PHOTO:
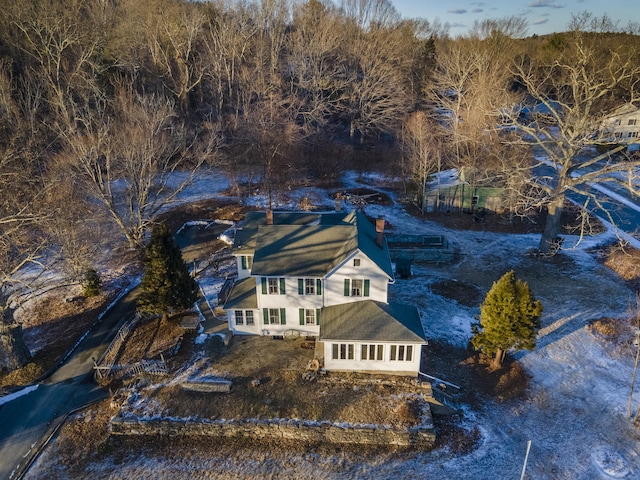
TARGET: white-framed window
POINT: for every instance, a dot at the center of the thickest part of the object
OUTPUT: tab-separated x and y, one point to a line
371	352
356	287
309	286
273	286
246	262
342	351
356	262
401	353
274	316
309	316
633	121
243	317
633	134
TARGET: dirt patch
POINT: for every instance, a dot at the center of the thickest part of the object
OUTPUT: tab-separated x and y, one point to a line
249	356
624	260
459	440
464	293
619	334
151	338
470	371
202	210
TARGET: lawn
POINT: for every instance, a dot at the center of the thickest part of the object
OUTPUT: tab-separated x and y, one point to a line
268	383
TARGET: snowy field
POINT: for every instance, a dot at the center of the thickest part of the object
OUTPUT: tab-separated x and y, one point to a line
574	413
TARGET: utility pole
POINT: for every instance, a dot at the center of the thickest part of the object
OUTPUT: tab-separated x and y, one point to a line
526	457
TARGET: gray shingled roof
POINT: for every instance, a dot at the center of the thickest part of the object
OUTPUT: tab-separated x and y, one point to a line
295	250
245	239
367	243
242	295
253	220
311	244
371	321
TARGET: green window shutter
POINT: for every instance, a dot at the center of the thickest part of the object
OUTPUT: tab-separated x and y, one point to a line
265	314
300	286
346	287
283	316
244	262
264	285
282	292
318	316
301	316
319	286
366	288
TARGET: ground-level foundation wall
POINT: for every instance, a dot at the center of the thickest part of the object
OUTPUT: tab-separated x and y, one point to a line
285	429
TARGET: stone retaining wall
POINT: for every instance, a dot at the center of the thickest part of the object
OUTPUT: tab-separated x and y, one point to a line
422	437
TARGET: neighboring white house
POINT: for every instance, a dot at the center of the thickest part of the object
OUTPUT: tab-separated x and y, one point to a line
324	275
623	127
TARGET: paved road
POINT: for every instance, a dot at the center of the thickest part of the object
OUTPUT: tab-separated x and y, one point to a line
26	421
622	205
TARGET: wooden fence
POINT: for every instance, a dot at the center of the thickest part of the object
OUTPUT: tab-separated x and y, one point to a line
144	367
104	366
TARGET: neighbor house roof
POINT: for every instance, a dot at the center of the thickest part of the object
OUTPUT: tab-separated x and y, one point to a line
309	244
372	321
624	110
242	295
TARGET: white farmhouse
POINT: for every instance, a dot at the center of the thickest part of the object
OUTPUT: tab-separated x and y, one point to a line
623	127
324	275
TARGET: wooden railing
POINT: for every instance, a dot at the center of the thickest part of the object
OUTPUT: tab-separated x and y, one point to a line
104	366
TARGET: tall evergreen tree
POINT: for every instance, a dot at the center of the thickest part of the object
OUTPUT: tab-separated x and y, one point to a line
509	319
166	284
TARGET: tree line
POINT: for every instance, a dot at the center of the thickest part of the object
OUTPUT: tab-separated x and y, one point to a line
109	108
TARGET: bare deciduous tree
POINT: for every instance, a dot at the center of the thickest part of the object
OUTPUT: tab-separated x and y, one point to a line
21	241
470	87
59	41
75	225
139	162
230	35
575	92
374	90
314	74
423	152
175	44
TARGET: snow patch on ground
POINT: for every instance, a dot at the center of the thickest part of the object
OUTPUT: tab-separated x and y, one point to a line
575	412
18	394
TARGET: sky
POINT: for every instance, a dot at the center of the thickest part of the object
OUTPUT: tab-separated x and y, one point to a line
543	16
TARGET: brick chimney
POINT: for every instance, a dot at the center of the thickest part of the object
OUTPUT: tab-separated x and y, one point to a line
269	217
380	231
